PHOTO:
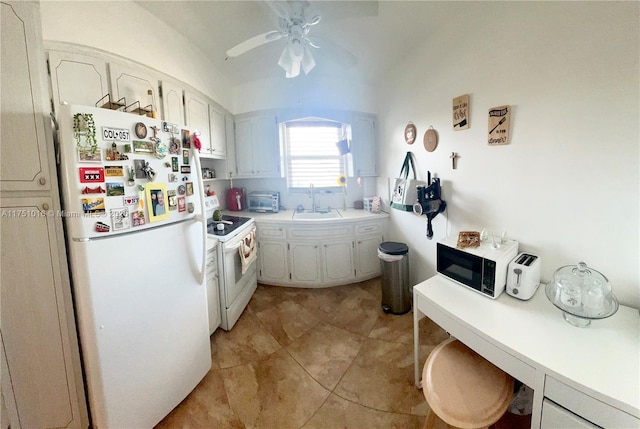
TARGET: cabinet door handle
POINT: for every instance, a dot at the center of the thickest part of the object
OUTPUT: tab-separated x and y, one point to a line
45	207
42	181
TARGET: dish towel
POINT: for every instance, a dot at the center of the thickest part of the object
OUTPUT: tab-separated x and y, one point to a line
248	250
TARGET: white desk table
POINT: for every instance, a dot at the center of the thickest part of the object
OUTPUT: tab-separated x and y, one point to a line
594	372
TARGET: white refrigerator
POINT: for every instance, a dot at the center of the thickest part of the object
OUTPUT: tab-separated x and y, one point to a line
136	238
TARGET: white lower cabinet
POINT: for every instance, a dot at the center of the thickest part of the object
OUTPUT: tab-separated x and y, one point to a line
213	290
338	262
368	263
273	261
305	263
318	255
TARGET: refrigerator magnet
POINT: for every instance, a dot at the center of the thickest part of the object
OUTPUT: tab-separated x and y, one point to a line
91	174
115	189
173	177
141	130
143	147
185	157
96	190
186	139
172	199
137	218
154	138
189	186
190	207
174	164
102	227
120	219
131	200
182	204
157	206
93	206
182	189
174	145
185	169
89	155
114	170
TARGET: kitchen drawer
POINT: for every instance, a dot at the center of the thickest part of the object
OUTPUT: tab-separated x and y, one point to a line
369	228
588	407
329	231
556	417
271	231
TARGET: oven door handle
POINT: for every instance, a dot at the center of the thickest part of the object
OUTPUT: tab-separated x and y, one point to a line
232	249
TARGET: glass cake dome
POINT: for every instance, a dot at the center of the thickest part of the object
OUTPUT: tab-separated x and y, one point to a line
582	293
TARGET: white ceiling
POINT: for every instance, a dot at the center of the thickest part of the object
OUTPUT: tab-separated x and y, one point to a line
378	34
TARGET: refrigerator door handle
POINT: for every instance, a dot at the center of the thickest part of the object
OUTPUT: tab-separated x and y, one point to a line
202	217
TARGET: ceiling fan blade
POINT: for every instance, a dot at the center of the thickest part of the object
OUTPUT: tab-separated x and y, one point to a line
252	43
280	8
330	49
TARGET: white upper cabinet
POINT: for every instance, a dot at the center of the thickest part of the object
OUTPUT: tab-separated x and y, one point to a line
257	146
218	147
172	103
197	114
138	86
25	120
77	79
364	145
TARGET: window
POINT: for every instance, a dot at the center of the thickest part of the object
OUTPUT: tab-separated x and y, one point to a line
311	153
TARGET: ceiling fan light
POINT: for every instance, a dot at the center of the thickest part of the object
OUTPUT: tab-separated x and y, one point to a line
285	60
296	50
308	63
295	70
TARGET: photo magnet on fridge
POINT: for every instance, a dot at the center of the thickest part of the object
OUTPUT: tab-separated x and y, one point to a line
156	201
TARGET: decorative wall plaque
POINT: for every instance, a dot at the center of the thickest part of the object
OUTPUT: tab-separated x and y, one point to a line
461	112
499	119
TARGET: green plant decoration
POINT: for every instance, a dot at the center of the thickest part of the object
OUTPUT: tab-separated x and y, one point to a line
83	125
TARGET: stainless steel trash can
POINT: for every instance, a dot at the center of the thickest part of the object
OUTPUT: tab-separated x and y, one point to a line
394	264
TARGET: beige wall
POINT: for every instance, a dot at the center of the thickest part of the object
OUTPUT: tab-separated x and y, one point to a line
567	187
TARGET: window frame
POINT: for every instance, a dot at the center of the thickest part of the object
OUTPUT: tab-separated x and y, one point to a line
344	132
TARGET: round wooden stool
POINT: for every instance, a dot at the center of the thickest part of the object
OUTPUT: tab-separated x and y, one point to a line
463	389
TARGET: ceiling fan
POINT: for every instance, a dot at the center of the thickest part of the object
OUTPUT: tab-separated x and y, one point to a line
295	19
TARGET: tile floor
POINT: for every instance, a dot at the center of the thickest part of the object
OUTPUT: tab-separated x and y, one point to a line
311	358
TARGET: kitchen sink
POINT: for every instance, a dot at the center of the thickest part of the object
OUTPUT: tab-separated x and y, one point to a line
326	214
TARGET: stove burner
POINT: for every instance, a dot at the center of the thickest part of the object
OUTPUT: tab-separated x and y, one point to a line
228	229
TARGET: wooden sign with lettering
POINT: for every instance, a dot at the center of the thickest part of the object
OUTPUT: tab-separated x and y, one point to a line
461	112
499	118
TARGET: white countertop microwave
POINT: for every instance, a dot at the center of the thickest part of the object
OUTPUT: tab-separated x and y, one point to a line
483	268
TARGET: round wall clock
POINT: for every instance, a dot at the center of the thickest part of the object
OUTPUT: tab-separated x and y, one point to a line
141	130
430	140
410	133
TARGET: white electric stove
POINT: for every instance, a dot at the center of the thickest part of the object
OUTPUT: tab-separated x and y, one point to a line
236	286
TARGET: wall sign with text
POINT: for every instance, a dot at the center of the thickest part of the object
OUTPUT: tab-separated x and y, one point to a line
461	112
499	119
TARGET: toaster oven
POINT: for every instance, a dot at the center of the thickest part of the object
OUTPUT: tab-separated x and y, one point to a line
264	202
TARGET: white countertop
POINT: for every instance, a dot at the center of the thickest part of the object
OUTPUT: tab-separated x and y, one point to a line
285	216
602	360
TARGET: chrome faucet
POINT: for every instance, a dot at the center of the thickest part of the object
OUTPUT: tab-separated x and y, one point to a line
312	194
